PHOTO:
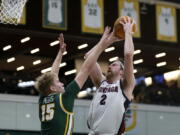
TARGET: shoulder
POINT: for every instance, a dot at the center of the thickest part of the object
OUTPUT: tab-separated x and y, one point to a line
127	95
72	85
103	82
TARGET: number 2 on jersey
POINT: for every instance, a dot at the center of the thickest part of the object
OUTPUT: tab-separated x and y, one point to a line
103	98
47	112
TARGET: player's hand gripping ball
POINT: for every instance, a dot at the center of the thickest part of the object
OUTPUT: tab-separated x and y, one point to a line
118	27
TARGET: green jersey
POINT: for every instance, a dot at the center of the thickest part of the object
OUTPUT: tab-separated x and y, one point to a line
55	111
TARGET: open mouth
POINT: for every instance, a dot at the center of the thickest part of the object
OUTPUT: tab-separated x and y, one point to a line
109	71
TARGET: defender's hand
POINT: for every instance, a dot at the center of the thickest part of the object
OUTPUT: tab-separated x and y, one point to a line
62	45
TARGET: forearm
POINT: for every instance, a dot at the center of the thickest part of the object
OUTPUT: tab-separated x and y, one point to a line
128	63
129	46
93	56
56	63
96	75
88	64
128	55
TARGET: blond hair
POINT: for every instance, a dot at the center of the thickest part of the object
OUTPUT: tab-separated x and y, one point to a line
44	82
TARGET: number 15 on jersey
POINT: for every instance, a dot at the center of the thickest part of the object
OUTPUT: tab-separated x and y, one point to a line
47	112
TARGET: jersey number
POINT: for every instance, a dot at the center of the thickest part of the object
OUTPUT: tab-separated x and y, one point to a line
103	98
92	12
47	112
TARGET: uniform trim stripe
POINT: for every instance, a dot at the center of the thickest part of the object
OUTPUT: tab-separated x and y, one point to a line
121	86
70	125
67	124
62	106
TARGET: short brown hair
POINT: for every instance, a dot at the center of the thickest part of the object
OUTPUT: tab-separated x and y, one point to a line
43	82
121	63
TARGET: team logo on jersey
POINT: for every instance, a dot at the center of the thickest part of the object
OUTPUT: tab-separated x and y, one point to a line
107	90
48	99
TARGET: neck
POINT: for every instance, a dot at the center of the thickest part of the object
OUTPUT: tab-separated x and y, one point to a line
113	79
48	92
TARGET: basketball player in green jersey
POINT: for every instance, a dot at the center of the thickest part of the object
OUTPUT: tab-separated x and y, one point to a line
56	102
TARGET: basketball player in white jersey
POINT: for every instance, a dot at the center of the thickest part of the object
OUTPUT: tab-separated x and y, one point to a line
114	93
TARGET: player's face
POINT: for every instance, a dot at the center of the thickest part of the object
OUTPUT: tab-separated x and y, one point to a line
58	86
114	69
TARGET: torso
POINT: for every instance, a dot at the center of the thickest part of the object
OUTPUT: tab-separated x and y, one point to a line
52	116
107	109
55	111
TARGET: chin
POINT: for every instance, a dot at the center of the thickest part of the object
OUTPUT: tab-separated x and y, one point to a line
109	74
62	90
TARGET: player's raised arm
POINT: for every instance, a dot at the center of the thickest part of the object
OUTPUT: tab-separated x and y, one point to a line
96	74
57	61
129	79
106	40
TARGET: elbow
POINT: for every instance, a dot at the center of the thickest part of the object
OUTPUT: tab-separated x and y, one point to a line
86	69
86	55
134	82
129	54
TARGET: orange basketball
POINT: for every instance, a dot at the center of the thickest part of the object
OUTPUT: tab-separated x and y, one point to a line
118	27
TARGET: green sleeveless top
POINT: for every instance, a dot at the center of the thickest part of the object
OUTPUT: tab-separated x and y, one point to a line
55	111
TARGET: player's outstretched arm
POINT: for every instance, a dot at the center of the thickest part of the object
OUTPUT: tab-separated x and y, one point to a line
129	79
91	59
96	74
57	61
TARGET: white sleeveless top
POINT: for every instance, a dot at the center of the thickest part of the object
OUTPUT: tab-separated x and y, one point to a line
107	109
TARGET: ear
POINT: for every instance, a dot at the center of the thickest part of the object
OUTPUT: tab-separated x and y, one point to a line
52	88
122	73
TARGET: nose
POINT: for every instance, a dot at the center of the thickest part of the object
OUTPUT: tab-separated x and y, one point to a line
109	69
62	84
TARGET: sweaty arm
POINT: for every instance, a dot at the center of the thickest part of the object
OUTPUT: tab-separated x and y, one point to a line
57	61
88	64
91	60
96	74
129	79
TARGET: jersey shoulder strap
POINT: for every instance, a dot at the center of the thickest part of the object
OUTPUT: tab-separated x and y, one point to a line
127	101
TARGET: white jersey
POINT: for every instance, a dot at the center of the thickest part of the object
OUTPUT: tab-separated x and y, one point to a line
107	109
55	11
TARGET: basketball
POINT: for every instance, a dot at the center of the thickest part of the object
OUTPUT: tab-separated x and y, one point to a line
118	27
